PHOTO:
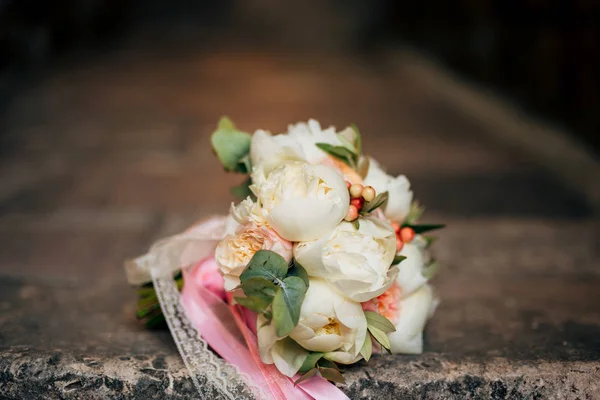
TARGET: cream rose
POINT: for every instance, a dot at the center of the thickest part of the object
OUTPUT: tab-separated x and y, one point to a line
330	323
355	262
413	313
400	195
235	251
302	201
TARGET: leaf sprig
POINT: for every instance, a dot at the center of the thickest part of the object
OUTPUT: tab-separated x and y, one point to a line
273	289
378	326
316	363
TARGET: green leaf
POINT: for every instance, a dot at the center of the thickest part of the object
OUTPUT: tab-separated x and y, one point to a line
256	304
339	152
363	166
266	264
429	241
431	269
367	348
356	224
377	202
231	146
380	337
309	374
299	271
424	227
416	211
332	375
357	139
398	259
287	303
347	144
326	363
243	190
310	362
260	287
379	321
225	123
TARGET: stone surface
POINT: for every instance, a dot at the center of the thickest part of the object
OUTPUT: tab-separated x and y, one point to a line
106	155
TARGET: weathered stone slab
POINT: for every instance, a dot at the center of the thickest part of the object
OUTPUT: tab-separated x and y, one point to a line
112	155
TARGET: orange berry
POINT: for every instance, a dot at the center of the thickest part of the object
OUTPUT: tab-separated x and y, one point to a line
407	234
352	213
396	227
368	193
399	244
356	190
358	203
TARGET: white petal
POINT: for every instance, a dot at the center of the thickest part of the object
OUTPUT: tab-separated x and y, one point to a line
310	256
343	357
288	356
304	219
410	275
414	311
400	198
266	338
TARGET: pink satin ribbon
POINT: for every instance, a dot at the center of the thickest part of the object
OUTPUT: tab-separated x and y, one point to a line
231	332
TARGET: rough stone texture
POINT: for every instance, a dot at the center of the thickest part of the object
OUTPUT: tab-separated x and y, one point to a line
107	155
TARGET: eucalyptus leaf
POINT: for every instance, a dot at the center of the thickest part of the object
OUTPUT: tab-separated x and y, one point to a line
332	375
309	374
299	271
231	145
356	224
378	321
259	287
310	362
266	264
380	337
287	303
256	304
424	227
367	348
398	259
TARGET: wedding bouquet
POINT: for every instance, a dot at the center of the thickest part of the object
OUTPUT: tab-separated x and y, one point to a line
323	263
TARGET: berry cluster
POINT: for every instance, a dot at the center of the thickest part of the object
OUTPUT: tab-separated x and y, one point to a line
403	235
358	195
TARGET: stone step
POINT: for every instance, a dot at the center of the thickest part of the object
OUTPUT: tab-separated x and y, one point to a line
104	157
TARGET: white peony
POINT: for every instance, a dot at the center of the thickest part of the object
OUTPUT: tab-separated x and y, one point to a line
286	354
307	135
302	201
410	271
355	262
235	251
400	195
330	323
414	311
270	151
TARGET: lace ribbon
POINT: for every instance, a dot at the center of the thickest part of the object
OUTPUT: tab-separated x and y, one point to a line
197	319
213	377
